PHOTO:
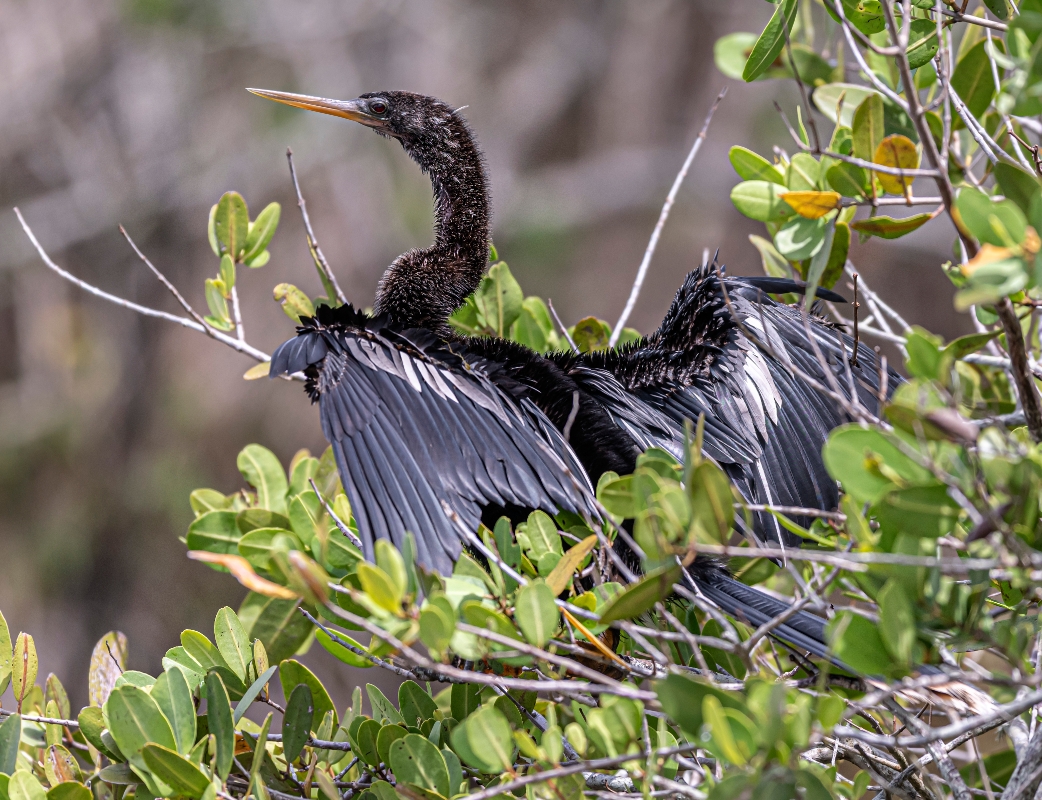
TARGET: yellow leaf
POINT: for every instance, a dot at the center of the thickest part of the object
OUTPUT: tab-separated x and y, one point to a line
562	573
240	568
257	371
899	152
812	205
987	254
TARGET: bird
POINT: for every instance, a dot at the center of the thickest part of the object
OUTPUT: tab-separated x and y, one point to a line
434	431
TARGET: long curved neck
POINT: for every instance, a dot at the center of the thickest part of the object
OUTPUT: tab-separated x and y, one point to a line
423	287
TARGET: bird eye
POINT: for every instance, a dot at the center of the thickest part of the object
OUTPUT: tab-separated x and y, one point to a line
378	106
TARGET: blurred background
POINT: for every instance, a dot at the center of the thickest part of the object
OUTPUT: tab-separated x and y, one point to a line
134	112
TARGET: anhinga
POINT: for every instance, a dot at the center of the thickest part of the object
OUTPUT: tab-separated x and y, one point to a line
430	428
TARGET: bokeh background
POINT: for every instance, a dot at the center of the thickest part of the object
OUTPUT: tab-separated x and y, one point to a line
133	112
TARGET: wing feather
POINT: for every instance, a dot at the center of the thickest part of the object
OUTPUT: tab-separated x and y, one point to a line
419	432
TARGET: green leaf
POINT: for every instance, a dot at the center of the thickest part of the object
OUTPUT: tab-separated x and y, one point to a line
389	734
889	228
24	786
712	511
261	230
857	642
415	704
297	722
1000	223
1000	8
533	327
10	738
536	613
465	700
391	562
487	742
751	166
232	642
174	698
498	298
837	259
263	472
135	719
682	699
818	263
6	654
211	233
854	456
382	706
774	263
769	46
897	621
294	302
305	514
340	652
922	42
925	511
803	173
226	272
848	179
292	672
69	790
253	692
642	595
366	737
92	723
24	667
215	532
250	519
201	650
380	587
761	200
277	623
107	661
867	127
970	343
839	101
865	15
220	723
1017	185
178	772
231	224
416	761
437	624
801	238
731	53
260	544
215	292
972	79
539	535
591	334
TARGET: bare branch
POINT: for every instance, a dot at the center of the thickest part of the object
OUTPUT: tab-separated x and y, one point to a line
325	272
191	324
663	216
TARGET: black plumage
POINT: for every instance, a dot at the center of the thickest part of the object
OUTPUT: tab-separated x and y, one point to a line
431	428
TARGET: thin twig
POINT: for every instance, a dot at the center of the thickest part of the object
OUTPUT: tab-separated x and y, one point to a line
235	344
564	330
663	216
316	252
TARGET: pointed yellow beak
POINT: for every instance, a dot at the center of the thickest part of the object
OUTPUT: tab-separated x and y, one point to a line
353	110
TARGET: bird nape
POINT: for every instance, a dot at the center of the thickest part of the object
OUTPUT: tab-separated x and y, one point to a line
432	429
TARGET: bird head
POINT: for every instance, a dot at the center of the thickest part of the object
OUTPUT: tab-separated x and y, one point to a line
406	116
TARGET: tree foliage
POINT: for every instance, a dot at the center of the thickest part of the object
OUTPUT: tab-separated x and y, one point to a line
527	670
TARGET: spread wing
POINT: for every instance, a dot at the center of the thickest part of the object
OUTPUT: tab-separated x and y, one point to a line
423	438
765	425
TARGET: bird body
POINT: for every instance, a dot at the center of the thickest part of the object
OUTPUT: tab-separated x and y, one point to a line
432	429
